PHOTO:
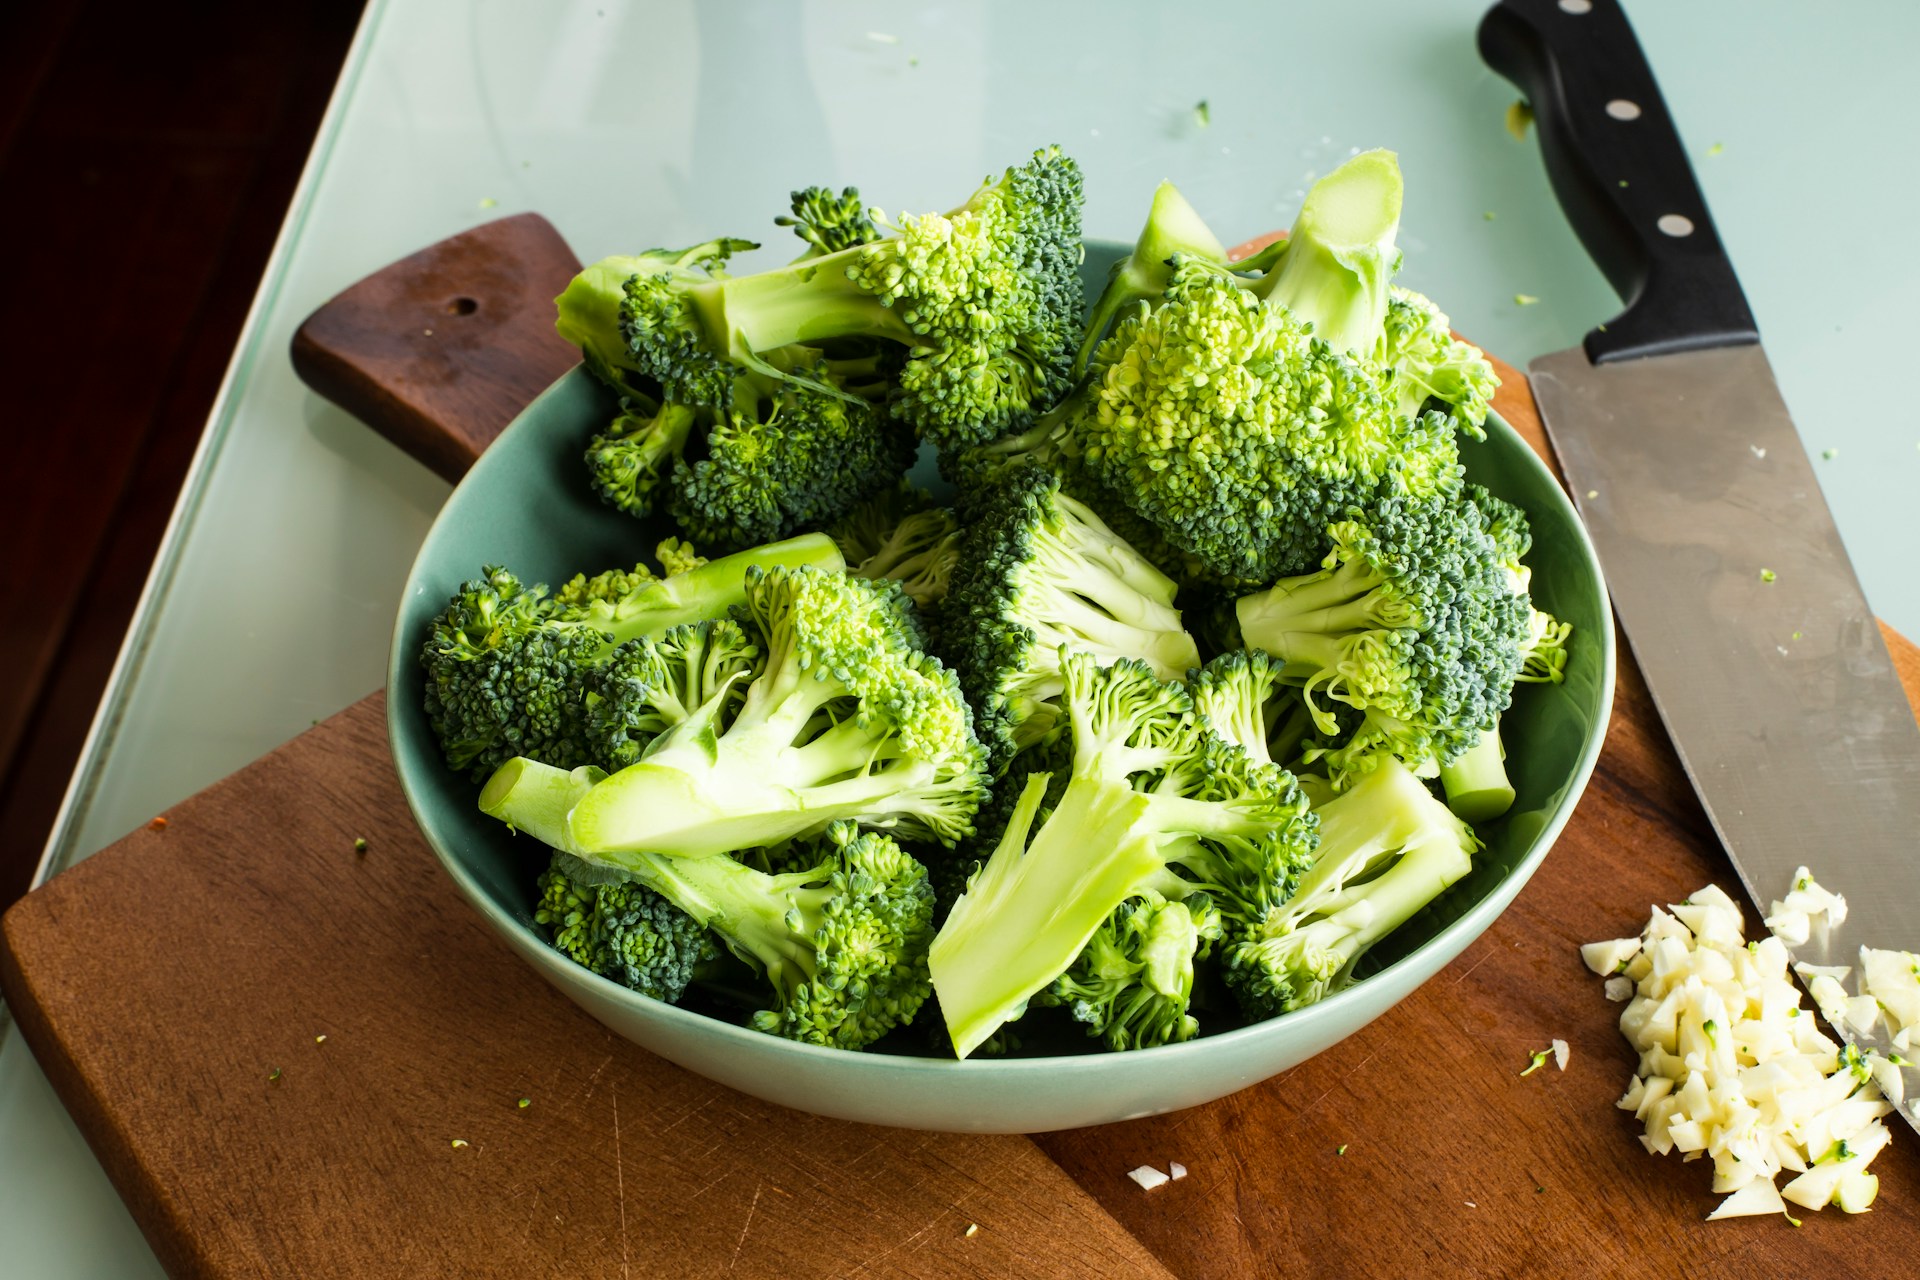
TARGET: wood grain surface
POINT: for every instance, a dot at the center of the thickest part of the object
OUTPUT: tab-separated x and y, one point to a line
162	981
175	988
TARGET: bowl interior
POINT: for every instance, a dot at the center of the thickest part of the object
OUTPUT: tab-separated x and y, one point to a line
526	505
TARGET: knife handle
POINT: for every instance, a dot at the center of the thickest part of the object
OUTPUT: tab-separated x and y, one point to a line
1618	166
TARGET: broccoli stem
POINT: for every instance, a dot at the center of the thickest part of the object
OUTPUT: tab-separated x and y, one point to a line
1340	254
1476	781
765	920
1084	862
705	592
808	302
535	798
1173	226
1348	597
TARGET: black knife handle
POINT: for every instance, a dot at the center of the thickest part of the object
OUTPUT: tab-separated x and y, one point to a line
1621	173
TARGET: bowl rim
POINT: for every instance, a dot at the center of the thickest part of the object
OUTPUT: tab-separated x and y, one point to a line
1461	931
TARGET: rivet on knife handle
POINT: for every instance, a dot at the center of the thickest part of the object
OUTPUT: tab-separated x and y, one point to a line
1621	173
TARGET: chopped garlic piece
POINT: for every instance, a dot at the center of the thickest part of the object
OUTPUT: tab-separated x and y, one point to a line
1757	1197
1610	957
1560	1054
1619	988
1149	1177
1176	1171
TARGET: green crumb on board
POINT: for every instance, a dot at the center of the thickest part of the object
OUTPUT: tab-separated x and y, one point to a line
1768	575
320	1039
1341	1149
1519	116
360	844
524	1103
1488	215
1202	113
1796	635
459	1143
1829	454
1537	1061
273	1076
1524	299
1716	148
488	202
1623	182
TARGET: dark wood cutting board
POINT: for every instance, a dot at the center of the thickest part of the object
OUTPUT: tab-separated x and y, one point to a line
163	982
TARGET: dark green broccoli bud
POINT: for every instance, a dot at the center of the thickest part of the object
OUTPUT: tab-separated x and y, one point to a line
1040	575
1133	982
980	305
829	223
842	944
631	462
648	686
507	665
620	930
1387	848
1244	697
1153	801
847	719
591	317
1413	621
1476	782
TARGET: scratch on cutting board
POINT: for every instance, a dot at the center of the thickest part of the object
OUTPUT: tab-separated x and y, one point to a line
737	1244
893	1249
595	1076
619	1169
1475	965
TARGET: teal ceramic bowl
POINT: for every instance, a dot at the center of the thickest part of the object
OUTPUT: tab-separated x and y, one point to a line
526	504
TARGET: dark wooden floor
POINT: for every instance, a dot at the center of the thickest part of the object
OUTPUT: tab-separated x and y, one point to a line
147	155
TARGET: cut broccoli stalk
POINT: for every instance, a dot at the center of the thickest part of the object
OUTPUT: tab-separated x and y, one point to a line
1340	255
1387	849
589	307
1173	227
1151	790
536	798
707	591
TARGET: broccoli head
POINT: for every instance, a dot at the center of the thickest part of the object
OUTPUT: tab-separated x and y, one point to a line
650	685
1040	575
1430	370
620	929
1153	801
846	719
900	534
1133	982
980	308
828	222
1413	621
507	665
1387	848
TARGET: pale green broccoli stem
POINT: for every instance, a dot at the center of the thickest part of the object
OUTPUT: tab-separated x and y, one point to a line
705	592
767	921
809	302
1476	782
1173	227
589	307
1349	597
1340	254
536	798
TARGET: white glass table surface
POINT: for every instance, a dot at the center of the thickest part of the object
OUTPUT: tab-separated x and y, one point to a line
632	125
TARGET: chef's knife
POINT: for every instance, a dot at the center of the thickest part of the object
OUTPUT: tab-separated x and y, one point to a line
1725	567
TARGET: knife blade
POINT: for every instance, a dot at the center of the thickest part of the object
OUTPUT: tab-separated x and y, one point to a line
1726	570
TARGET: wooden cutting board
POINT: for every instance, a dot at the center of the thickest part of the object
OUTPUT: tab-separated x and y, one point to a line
163	982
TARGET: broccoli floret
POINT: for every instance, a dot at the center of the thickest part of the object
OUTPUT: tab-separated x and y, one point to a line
1387	848
620	930
842	943
900	534
1413	621
1039	574
1244	696
829	222
1133	982
1153	801
847	718
1476	782
507	664
983	304
650	685
1430	369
